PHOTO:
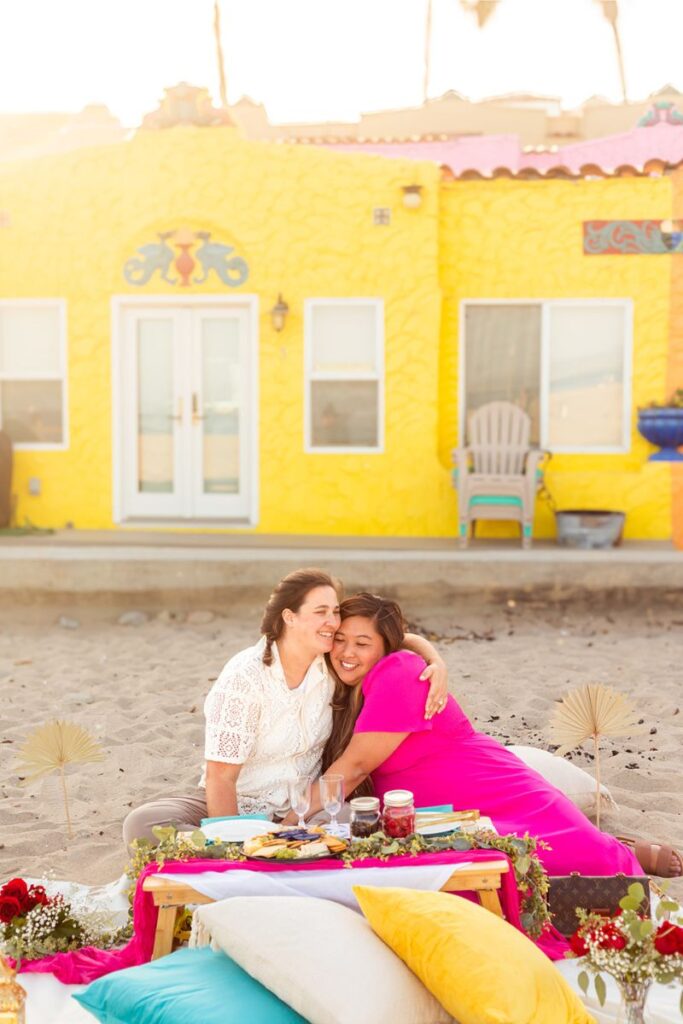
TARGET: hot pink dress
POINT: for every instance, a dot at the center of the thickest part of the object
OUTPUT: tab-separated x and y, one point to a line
445	761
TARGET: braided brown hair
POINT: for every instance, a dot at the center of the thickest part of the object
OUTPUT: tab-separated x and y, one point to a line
291	592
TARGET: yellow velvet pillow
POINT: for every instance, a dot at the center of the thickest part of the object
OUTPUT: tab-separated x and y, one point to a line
479	967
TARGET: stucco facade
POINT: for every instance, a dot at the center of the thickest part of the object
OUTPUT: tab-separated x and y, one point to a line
303	220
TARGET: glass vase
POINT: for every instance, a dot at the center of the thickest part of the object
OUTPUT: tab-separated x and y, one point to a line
634	994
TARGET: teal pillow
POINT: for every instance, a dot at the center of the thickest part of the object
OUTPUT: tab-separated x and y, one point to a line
190	986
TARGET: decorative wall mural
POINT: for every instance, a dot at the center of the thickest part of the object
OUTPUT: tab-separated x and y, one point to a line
632	237
176	256
663	111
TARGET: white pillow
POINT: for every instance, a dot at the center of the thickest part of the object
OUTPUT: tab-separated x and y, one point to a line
571	780
320	958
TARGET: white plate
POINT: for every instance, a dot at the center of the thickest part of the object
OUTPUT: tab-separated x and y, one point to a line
239	829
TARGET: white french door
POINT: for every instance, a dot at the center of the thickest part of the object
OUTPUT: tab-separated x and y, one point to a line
186	412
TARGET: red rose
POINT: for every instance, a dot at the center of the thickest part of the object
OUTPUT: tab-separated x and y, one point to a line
10	907
578	944
610	937
38	895
669	939
16	887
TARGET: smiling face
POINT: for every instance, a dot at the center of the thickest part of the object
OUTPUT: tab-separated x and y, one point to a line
357	648
314	624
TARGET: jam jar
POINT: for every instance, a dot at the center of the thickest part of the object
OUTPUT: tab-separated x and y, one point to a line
364	816
398	819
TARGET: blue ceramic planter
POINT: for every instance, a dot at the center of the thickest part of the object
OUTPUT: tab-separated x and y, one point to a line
663	427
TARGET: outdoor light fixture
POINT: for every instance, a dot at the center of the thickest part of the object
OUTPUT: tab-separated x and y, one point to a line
412	196
278	313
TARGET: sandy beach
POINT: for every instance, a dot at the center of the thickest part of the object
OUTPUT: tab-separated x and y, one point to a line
140	690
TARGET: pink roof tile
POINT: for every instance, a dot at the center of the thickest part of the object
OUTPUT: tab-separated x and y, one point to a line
486	154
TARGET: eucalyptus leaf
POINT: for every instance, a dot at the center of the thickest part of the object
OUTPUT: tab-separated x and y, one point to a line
198	839
646	928
164	832
522	864
583	982
600	989
629	903
636	892
462	843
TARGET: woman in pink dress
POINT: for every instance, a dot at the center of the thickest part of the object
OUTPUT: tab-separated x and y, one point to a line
380	732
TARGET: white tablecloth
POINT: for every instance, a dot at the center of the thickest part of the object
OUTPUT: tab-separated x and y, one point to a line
327	885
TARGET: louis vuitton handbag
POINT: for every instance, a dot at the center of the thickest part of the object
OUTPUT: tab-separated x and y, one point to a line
598	895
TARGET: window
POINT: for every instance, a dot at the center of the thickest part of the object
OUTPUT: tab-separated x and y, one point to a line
344	371
32	371
565	362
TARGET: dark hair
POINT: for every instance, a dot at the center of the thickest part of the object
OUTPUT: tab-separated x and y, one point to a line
347	701
291	592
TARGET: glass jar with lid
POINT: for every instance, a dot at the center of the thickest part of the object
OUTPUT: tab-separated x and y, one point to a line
364	816
398	819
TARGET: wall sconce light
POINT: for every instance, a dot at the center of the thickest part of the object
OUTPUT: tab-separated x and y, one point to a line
278	313
412	196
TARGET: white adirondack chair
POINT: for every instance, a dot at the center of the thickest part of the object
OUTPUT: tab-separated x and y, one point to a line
497	473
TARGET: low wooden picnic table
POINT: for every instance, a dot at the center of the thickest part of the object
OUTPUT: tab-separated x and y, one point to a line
482	876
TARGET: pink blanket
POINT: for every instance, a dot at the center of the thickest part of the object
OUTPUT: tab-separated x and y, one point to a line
85	965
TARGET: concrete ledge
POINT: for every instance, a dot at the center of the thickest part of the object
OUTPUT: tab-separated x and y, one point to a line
44	571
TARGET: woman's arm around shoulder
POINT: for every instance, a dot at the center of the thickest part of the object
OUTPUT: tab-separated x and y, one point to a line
435	671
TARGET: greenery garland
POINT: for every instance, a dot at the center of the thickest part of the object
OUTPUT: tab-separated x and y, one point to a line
530	876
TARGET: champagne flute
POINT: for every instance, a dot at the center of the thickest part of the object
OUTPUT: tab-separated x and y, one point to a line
332	797
300	798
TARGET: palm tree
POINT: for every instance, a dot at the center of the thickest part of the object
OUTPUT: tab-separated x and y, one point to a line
219	54
483	9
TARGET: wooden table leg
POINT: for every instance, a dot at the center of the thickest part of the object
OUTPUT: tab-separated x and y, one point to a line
163	937
490	900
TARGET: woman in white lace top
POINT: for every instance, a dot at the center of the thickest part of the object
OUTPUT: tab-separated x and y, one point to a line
269	714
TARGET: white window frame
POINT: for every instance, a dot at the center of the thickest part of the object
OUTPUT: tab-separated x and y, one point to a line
545	305
60	306
310	375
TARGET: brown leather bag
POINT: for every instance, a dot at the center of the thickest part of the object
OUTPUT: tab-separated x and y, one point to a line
596	894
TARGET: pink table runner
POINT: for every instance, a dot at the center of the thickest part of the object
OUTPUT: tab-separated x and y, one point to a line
85	965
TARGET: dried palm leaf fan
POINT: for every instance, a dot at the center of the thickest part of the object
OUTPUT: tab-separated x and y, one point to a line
591	712
53	747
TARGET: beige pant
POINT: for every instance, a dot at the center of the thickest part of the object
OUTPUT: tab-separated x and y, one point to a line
186	813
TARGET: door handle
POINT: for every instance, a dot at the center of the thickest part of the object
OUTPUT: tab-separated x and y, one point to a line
196	415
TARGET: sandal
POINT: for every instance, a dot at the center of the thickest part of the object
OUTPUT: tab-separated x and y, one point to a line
654	858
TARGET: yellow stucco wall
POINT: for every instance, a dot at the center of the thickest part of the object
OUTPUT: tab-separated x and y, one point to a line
302	218
510	239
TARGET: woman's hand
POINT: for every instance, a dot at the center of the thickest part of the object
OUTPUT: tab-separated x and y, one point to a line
290	819
437	674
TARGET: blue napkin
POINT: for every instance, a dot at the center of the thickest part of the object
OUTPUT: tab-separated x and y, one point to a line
442	809
235	817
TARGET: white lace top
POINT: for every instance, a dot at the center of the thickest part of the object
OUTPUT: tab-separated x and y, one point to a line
254	719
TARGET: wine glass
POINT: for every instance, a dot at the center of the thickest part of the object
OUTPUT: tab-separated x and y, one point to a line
300	798
332	797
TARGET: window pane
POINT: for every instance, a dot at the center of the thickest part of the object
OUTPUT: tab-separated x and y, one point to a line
29	342
155	407
344	339
344	413
503	358
32	411
586	376
221	396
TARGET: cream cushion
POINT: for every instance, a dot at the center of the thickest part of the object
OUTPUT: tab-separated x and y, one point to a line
571	780
320	958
